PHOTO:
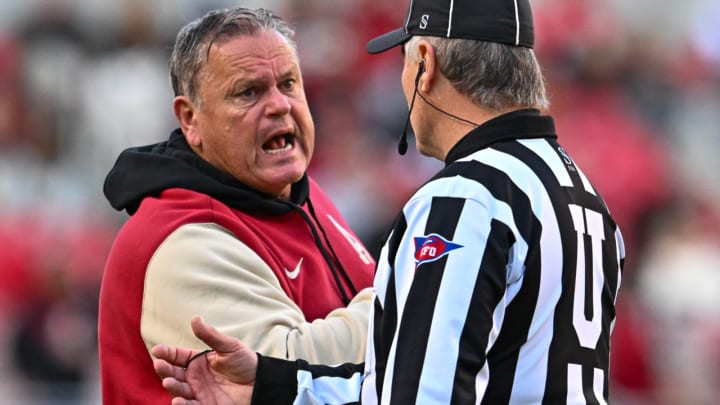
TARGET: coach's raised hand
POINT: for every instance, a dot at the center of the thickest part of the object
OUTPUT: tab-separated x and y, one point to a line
223	376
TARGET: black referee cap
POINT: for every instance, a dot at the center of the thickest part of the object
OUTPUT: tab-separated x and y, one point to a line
504	21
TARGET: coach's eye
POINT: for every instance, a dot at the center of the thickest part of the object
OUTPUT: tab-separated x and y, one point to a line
288	85
247	93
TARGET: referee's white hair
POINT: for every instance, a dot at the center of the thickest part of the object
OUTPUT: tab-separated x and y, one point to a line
491	74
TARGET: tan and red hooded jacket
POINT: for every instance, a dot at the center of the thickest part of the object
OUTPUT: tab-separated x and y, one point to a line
287	277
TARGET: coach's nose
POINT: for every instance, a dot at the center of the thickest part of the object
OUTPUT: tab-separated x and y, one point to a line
278	103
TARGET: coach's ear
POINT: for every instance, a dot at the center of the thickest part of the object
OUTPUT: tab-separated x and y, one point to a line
186	112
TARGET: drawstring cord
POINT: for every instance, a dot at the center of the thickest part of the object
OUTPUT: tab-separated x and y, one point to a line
326	255
343	272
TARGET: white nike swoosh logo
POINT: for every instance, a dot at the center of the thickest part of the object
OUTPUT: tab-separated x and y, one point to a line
293	274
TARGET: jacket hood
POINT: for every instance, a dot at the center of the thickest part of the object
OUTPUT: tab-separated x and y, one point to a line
146	171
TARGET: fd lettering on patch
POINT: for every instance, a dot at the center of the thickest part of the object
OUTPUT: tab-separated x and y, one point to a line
432	247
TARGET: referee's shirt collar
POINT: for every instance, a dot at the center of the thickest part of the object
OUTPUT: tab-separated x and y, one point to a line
520	124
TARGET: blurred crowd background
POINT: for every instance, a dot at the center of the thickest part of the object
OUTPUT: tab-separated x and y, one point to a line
635	91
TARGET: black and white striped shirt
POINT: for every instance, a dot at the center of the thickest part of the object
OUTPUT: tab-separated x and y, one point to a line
497	284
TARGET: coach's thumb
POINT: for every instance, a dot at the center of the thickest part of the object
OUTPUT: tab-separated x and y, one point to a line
213	337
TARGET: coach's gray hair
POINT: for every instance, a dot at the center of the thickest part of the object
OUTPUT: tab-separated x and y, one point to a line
193	42
494	75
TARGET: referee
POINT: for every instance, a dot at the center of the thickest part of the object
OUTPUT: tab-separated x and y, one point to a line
497	283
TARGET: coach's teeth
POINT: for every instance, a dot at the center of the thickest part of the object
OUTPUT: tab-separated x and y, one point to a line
278	144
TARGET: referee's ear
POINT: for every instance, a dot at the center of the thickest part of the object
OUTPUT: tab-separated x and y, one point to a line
429	75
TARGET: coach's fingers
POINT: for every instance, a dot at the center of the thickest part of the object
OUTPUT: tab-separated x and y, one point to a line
176	356
165	369
183	401
213	338
178	388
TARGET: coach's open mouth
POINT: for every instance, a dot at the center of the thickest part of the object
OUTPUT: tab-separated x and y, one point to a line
280	143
